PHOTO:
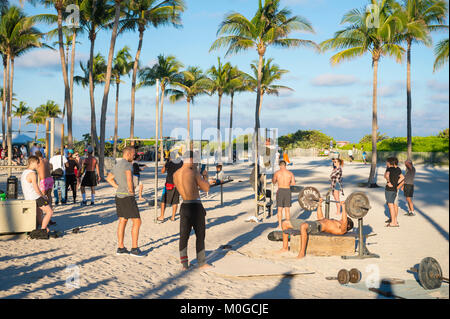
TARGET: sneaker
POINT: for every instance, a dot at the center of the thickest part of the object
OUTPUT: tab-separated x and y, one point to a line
83	203
136	252
56	203
51	222
122	251
92	203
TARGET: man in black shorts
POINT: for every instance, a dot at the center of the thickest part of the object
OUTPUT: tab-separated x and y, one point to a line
121	179
170	196
408	187
394	181
321	225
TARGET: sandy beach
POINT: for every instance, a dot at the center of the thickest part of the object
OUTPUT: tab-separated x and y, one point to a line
40	269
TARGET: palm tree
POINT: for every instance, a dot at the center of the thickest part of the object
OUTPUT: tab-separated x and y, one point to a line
379	39
122	66
17	35
167	70
21	111
192	84
37	118
94	16
99	68
270	26
145	13
419	18
49	109
441	53
270	74
220	78
240	84
101	162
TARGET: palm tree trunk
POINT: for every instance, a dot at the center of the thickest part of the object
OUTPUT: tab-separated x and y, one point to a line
116	119
94	137
133	82
219	140
5	93
163	91
257	124
408	100
70	111
373	167
63	60
20	124
37	132
230	145
188	119
10	72
101	162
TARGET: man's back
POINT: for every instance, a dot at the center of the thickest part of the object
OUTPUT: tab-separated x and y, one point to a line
185	181
90	162
43	168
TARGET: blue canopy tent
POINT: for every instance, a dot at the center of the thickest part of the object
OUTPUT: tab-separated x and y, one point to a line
20	139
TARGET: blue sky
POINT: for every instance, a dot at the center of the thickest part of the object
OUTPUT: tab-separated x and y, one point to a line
336	100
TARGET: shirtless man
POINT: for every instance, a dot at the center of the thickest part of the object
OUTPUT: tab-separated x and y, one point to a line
45	179
188	180
91	176
285	179
330	226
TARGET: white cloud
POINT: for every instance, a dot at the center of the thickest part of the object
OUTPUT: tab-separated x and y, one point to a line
44	58
330	80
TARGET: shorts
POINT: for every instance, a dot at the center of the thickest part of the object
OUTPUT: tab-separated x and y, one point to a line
314	227
89	179
337	187
42	202
46	184
127	207
137	181
284	197
408	190
171	197
390	196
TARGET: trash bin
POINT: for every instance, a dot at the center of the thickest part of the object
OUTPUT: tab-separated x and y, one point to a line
12	187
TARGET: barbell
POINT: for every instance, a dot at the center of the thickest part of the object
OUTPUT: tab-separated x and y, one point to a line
344	276
429	273
357	204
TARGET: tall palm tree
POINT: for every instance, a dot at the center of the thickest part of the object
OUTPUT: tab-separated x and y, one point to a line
37	118
419	18
441	53
270	74
94	16
167	71
99	68
49	109
270	26
220	78
192	84
240	84
18	35
21	111
123	64
142	14
364	36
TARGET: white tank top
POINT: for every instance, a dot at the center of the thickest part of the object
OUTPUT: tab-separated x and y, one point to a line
27	188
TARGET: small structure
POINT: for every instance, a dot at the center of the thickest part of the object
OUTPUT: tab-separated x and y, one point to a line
342	143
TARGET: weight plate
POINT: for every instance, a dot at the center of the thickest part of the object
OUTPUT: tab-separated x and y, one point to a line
343	276
355	276
357	205
430	273
308	198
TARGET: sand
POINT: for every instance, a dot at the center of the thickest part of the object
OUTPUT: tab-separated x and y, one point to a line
43	269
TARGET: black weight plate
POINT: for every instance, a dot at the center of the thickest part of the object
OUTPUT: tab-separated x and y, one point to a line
308	198
430	273
357	205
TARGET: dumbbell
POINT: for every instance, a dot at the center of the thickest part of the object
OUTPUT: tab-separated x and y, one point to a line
344	276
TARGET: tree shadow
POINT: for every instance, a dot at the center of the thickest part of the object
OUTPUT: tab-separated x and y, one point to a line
281	291
173	293
441	230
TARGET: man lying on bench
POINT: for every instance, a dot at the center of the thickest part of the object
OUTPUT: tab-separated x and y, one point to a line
303	228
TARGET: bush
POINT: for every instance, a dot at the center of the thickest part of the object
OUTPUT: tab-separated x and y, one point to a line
399	144
305	139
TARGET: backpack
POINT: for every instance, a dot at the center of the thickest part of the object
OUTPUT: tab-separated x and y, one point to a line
58	173
39	234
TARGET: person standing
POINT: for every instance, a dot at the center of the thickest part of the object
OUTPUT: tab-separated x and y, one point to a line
350	155
121	178
91	177
58	166
137	168
34	149
285	179
364	156
24	151
394	179
31	191
71	176
46	181
408	187
336	182
171	196
188	181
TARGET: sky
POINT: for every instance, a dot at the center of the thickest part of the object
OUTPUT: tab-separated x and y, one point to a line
337	100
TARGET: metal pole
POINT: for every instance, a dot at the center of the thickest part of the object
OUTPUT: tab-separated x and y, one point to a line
52	138
221	193
327	206
47	141
156	149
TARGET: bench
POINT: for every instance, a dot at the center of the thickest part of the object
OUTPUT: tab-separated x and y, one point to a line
17	216
325	244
